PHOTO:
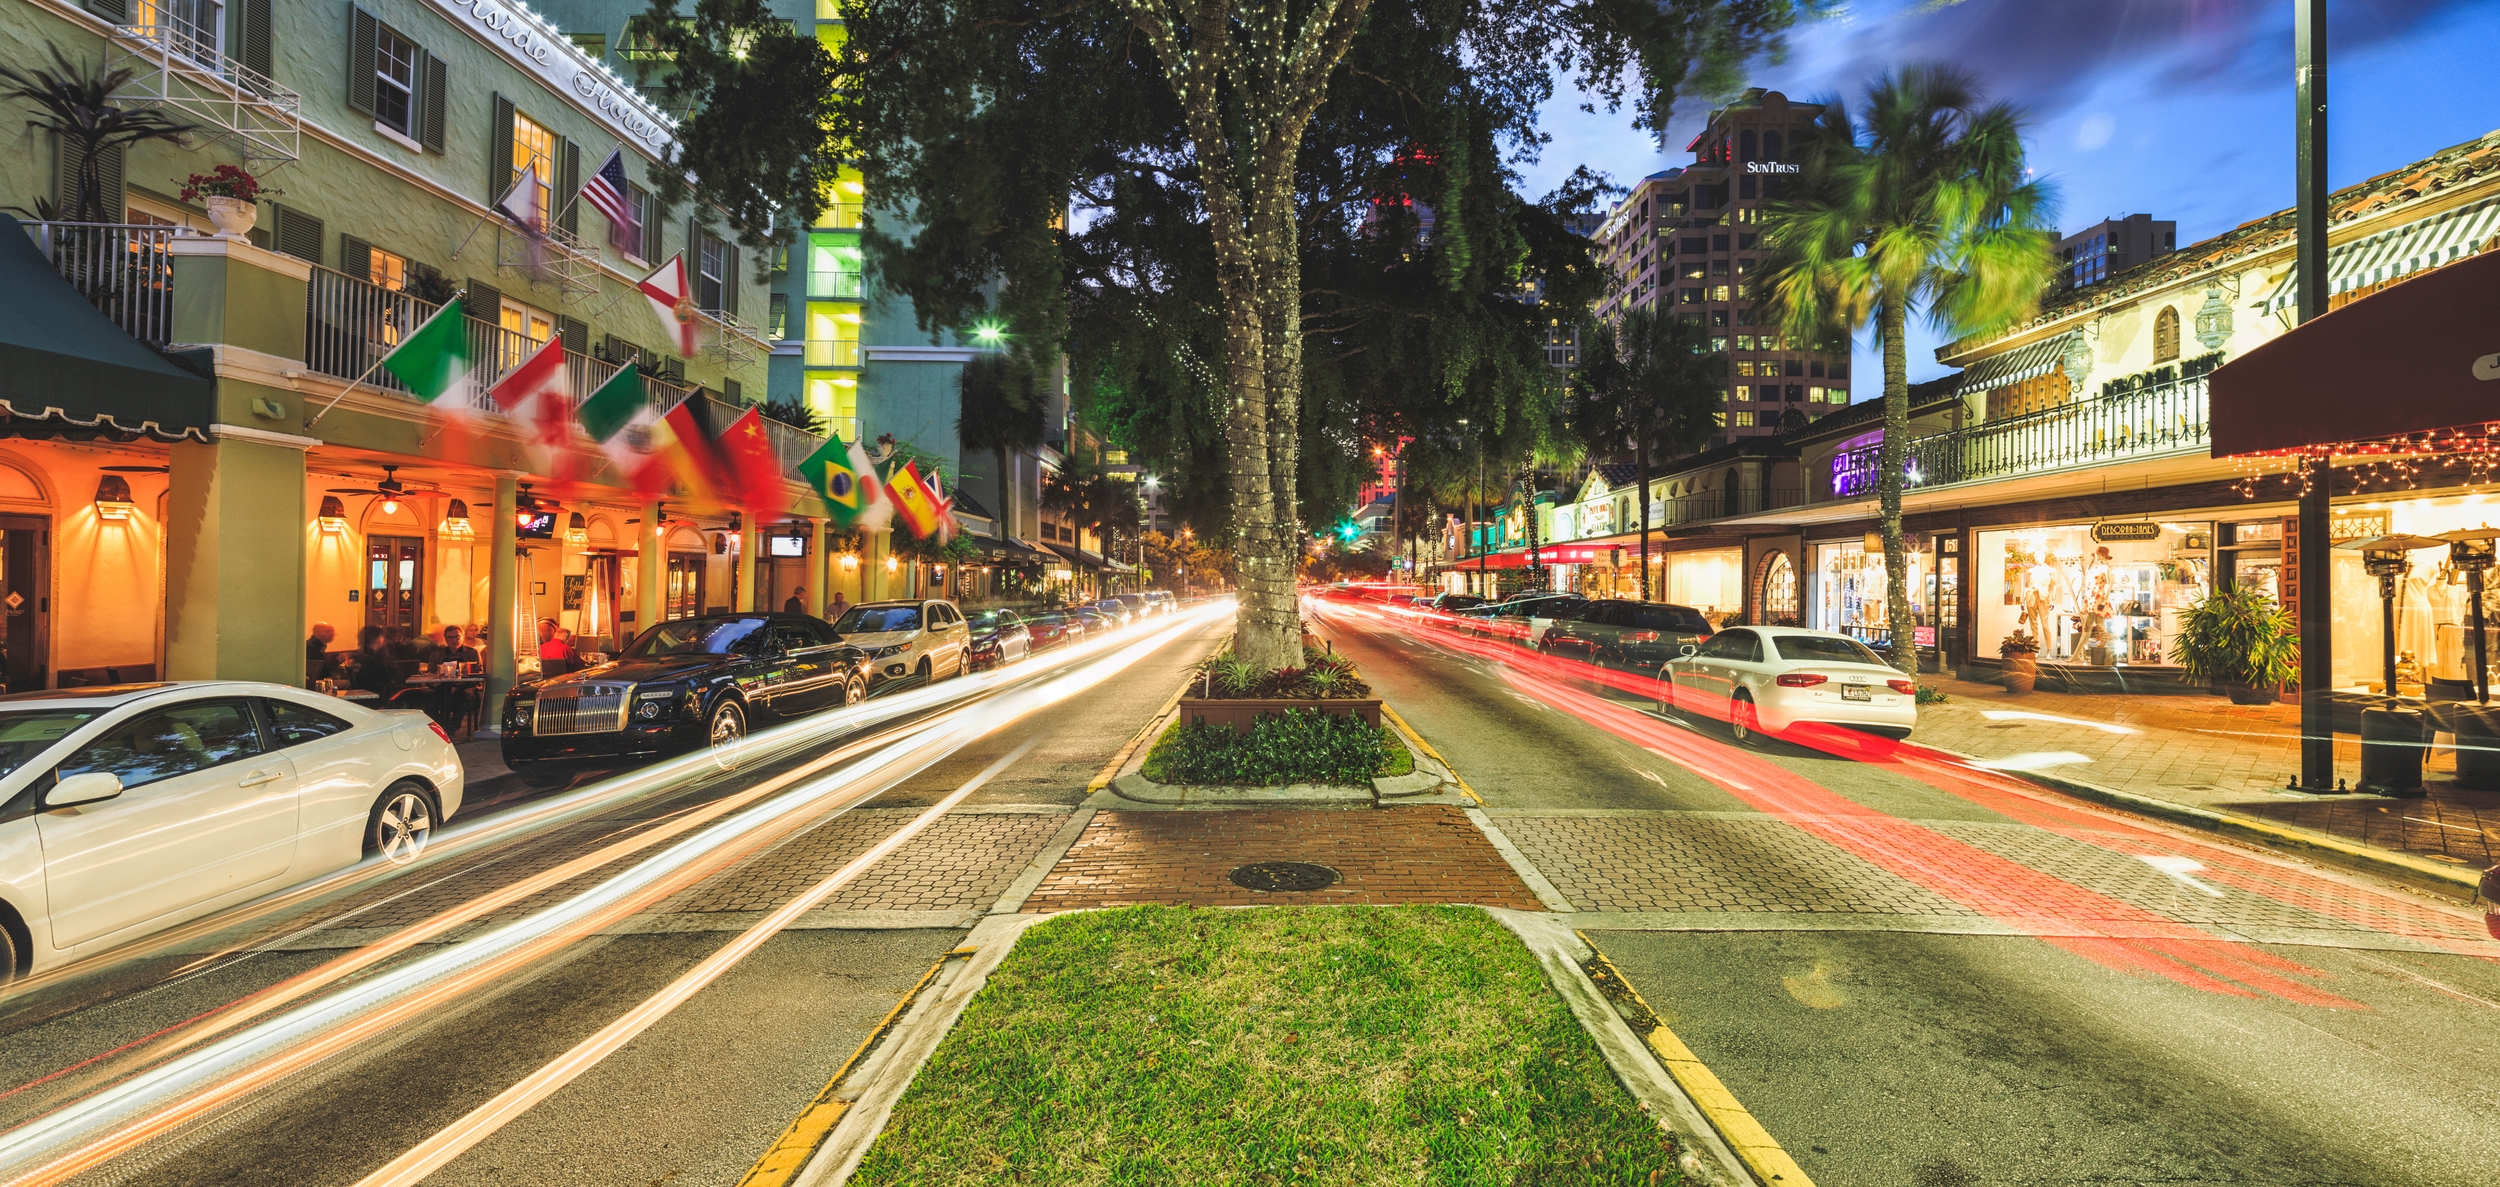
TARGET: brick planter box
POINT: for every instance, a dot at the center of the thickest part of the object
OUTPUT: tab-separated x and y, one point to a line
1240	714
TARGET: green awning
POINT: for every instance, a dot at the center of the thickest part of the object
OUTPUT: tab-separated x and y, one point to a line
66	369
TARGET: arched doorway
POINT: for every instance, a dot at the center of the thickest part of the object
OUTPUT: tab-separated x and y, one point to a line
1776	600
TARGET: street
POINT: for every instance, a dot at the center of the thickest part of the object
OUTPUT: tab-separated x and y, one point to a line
1820	931
693	1099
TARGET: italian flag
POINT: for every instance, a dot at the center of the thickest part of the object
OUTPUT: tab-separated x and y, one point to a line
434	360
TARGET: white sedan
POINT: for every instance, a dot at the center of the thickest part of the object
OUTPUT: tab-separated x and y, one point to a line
129	809
1769	678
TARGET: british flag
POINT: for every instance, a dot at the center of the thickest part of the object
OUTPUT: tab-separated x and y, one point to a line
606	190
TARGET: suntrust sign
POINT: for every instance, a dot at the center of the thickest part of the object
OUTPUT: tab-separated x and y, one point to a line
1772	167
544	51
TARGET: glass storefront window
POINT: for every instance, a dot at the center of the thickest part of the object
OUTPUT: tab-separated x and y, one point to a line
2097	602
1850	593
1712	582
2434	639
1779	591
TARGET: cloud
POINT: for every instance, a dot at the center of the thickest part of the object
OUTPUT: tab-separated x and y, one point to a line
2095	130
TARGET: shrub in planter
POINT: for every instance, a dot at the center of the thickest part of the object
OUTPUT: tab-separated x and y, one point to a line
1295	746
2238	639
2021	654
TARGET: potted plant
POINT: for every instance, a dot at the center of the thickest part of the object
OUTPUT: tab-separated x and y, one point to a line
231	195
2238	639
2021	654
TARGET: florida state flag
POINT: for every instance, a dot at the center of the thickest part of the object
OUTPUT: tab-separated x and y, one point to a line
673	302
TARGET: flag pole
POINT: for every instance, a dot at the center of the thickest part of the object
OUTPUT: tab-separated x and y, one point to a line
315	418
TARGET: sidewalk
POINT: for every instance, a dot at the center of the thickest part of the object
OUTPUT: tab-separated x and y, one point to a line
2207	753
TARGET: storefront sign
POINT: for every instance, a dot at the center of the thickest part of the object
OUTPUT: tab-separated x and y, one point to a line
2356	525
1923	636
1772	167
2111	533
543	51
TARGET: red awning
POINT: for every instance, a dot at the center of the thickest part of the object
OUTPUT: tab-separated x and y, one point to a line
2419	356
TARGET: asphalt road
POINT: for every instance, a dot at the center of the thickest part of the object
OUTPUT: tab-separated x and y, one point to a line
1923	976
695	1098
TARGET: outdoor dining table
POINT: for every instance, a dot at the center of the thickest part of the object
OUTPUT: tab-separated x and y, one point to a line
449	701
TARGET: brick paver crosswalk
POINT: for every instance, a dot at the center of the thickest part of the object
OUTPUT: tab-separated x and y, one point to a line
1419	854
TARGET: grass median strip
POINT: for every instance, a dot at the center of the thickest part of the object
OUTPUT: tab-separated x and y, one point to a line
1325	1045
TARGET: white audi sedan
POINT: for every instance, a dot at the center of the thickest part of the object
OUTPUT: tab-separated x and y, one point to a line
132	808
1762	679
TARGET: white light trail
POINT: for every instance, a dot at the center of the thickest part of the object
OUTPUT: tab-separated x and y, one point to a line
2027	715
93	1130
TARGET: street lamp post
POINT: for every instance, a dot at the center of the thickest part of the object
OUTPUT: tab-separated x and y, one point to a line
2313	572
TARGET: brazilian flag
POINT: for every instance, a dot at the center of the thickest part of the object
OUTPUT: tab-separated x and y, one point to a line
843	478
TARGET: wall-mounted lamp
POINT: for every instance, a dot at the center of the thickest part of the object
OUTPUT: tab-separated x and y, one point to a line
891	565
333	515
577	529
849	561
112	498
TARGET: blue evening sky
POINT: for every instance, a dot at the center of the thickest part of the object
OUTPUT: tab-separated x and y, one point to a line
2178	108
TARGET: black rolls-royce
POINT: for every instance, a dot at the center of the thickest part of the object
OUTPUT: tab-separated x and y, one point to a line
687	683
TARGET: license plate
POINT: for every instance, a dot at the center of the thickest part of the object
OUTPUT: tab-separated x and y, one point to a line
1857	692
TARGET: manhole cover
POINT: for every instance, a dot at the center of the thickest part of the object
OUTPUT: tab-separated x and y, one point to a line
1284	875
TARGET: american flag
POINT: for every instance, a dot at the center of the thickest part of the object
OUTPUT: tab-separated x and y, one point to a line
606	190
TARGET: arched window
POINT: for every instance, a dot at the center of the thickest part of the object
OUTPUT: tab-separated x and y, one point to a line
1770	146
2166	334
1745	146
1777	602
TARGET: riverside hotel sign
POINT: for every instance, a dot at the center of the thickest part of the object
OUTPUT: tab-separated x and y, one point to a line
544	51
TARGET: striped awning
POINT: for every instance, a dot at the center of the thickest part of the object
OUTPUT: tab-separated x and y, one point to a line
2398	250
2015	366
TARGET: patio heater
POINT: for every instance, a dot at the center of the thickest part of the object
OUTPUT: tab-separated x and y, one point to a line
2391	733
2478	741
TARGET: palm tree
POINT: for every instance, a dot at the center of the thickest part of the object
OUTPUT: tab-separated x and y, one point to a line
76	103
1924	204
1648	383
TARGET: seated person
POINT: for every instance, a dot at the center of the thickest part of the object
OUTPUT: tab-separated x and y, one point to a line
372	669
452	650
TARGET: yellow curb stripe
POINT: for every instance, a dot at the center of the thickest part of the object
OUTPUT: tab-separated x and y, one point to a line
788	1156
1417	740
1119	760
1754	1144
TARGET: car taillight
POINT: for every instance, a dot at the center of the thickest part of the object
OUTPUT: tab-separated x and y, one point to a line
1640	636
1698	640
1800	680
439	732
1904	687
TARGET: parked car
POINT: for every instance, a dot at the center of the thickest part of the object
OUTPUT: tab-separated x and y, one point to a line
1114	609
696	681
1769	678
1096	622
127	809
1139	608
1626	635
925	638
1526	619
998	637
1163	601
1451	603
1054	628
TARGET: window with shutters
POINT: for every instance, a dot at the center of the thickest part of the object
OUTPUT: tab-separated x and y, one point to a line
297	234
395	82
711	271
2166	335
533	146
526	329
196	29
644	242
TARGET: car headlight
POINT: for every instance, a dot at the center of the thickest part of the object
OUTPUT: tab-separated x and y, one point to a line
883	652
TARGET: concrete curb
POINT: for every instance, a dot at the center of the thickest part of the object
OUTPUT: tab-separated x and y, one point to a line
2327	847
1705	1156
1424	785
876	1084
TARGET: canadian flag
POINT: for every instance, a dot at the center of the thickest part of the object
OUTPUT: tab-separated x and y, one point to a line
673	300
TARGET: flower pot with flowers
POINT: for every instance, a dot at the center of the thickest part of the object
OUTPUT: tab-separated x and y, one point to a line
2021	654
2239	639
231	195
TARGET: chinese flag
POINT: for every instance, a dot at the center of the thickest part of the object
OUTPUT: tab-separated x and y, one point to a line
755	481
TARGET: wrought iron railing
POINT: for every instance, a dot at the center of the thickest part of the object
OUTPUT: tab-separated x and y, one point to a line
1723	503
126	271
2160	420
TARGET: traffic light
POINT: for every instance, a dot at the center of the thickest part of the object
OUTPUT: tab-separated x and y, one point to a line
1349	531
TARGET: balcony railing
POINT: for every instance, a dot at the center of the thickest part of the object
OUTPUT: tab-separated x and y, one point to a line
832	352
845	216
350	324
829	282
1723	503
2150	423
180	65
126	271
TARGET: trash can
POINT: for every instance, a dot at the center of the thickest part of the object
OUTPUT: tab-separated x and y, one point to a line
2391	751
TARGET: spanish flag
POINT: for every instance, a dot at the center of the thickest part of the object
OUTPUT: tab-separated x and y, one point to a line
912	500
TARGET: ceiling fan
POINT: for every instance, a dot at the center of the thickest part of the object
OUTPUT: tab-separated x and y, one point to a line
390	488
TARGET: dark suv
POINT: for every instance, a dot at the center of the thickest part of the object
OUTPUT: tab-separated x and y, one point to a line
687	683
1634	636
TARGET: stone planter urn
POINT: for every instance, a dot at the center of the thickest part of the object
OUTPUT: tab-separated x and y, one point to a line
234	216
2022	672
2250	694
